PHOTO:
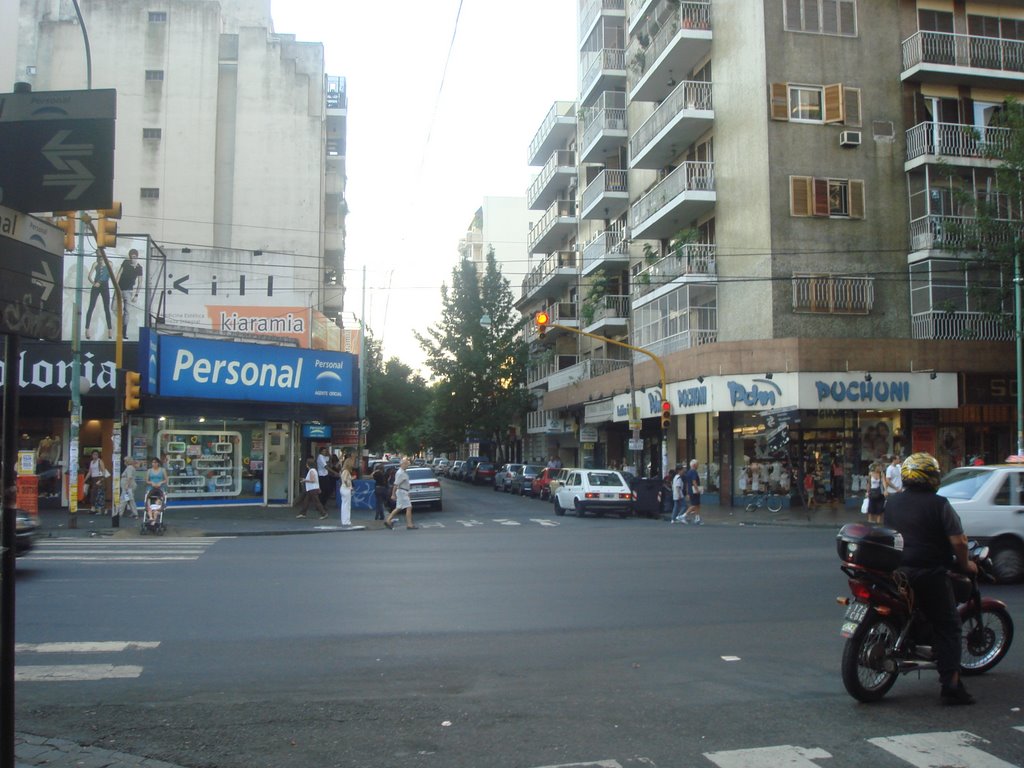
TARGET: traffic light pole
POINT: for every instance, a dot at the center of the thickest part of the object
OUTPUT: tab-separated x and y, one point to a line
654	357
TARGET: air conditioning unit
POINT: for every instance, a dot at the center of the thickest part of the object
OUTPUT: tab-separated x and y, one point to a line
849	139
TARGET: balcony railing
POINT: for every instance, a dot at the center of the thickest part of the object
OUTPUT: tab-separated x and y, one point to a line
689	94
976	326
635	11
605	60
693	14
594	9
560	209
960	232
548	267
560	110
561	158
958	50
590	368
955	140
539	369
608	244
833	294
608	114
608	307
689	259
606	181
690	175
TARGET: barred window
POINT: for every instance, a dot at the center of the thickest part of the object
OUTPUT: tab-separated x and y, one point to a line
155	17
821	17
152	133
154	74
149	193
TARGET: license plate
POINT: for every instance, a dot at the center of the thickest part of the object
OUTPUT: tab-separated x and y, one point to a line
607	495
855	614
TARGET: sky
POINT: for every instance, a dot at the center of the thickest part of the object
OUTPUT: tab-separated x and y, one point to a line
422	153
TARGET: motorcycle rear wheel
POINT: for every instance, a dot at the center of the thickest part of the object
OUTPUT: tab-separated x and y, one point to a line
985	641
872	643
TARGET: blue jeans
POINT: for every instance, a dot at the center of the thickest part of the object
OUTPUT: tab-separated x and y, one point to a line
678	507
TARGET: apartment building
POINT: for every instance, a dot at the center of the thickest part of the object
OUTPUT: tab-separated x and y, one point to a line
766	196
500	223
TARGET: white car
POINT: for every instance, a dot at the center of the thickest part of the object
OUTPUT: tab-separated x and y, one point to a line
594	490
990	502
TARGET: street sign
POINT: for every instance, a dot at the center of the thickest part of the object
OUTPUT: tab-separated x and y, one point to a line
31	276
57	150
635	444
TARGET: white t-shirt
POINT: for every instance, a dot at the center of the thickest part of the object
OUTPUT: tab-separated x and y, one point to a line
894	478
677	487
312	480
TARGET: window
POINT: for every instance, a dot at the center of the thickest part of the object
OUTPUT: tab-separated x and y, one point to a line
155	17
831	198
821	17
152	133
800	103
149	193
154	74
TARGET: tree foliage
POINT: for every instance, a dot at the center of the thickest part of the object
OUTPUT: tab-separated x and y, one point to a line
396	400
479	367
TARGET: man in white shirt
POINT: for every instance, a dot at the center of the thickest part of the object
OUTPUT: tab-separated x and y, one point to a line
322	459
678	495
893	477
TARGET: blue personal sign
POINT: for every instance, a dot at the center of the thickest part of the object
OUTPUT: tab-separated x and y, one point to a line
233	371
316	431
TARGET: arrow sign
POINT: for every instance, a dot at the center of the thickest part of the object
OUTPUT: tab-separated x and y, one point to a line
44	280
79	180
55	150
179	284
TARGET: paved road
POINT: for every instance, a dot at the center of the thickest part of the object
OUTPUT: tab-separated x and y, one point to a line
503	636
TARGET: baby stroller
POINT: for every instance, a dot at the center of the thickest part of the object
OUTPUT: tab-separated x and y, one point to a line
152	520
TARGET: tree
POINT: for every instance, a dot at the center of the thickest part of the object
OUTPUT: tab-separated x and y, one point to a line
397	398
478	357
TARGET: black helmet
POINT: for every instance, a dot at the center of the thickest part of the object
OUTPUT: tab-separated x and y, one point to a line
921	470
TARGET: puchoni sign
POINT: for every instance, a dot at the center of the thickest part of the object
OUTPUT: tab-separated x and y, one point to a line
233	371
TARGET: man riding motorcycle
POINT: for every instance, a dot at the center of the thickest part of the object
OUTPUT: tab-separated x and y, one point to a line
933	537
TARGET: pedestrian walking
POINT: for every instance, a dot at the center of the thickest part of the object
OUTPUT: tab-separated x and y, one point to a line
323	459
97	480
380	492
691	484
678	495
893	476
346	492
312	496
665	495
128	489
876	494
400	494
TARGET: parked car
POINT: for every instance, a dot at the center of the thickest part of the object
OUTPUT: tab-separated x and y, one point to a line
483	473
522	480
440	466
594	490
990	502
26	532
424	487
559	476
467	470
503	477
455	470
540	486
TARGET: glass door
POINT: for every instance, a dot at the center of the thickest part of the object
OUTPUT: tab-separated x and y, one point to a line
278	472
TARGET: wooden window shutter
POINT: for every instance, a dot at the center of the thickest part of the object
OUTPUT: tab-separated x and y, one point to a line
856	199
821	197
780	101
800	196
833	103
851	104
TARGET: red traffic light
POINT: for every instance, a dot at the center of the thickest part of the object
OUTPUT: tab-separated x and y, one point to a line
666	407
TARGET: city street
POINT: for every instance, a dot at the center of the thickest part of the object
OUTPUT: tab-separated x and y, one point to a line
495	635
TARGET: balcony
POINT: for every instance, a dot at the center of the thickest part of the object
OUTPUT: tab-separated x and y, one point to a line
553	274
554	179
675	47
584	371
558	223
956	59
676	322
951	234
678	121
596	9
336	95
603	70
560	313
607	315
955	144
539	368
606	249
694	260
545	422
604	127
957	325
673	203
555	132
606	196
829	294
637	10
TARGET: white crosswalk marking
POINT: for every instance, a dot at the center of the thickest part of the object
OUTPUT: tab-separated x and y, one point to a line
502	521
545	523
953	749
468	523
123	550
42	673
768	757
430	525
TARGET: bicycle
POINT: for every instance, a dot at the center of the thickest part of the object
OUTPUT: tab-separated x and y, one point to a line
769	499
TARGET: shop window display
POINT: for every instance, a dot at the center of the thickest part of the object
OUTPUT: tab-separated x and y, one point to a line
202	463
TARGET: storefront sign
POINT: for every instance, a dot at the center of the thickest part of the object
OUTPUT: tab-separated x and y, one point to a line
852	391
318	431
588	434
762	393
870	391
231	371
45	369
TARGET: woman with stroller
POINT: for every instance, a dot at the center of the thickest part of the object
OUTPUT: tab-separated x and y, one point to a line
156	480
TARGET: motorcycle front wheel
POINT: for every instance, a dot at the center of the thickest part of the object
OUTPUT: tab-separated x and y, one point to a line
986	639
864	655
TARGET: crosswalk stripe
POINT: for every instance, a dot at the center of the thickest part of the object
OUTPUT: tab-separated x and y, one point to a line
100	646
92	551
953	749
768	757
74	672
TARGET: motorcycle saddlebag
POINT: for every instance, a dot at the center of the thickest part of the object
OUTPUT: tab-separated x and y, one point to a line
869	546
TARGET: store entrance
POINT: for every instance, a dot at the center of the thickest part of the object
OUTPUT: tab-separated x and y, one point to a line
278	468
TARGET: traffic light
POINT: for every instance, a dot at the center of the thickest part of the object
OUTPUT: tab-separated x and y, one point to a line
68	222
132	390
666	414
543	321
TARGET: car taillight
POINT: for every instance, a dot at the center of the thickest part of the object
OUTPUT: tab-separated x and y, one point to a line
592	496
625	495
433	485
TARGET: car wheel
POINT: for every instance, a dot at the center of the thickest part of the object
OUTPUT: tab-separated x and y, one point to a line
558	508
580	511
1007	564
496	488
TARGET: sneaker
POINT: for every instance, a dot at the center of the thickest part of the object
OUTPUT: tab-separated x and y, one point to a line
300	517
698	521
673	520
683	520
956	696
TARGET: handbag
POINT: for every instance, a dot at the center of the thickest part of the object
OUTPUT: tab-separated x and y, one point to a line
106	473
864	506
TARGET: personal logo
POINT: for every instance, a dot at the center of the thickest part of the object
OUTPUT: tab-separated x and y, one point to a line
761	393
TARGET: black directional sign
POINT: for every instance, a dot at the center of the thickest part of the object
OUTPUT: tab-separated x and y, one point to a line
31	276
57	150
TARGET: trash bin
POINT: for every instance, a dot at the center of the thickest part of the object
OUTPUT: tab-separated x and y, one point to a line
647	489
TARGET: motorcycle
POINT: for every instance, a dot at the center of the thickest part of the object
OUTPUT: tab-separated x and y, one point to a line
887	636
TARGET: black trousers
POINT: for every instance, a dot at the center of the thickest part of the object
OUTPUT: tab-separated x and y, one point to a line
933	594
